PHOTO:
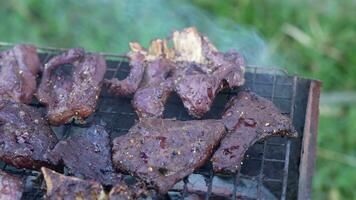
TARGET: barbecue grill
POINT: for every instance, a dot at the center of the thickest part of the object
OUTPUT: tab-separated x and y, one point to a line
278	168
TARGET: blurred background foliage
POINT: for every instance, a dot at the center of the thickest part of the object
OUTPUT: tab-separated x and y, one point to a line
311	38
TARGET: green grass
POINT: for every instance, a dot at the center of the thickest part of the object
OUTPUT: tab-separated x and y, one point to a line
311	38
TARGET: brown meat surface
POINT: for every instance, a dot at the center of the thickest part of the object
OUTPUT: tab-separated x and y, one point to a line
248	118
87	154
164	151
19	68
25	136
66	187
11	187
75	95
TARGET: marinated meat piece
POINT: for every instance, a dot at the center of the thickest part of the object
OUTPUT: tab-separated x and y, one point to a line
87	154
131	83
248	118
11	187
19	67
150	99
66	187
164	151
202	71
149	79
72	96
25	136
193	68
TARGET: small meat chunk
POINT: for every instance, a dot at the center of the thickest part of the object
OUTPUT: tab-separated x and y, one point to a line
249	118
73	95
25	136
11	187
164	151
66	187
87	154
19	68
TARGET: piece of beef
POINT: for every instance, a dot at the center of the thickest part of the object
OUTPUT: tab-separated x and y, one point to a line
131	83
75	95
202	71
149	79
19	68
25	136
87	154
164	151
248	118
64	187
155	88
11	187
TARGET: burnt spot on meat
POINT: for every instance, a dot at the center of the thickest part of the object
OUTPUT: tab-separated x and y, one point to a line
249	118
71	96
171	149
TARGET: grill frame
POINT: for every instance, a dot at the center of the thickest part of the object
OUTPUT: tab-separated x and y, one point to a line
303	110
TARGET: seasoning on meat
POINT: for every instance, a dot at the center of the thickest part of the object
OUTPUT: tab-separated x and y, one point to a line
87	154
19	67
66	187
25	136
75	95
11	187
248	118
164	151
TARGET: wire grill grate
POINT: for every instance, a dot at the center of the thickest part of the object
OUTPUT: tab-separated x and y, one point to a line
271	165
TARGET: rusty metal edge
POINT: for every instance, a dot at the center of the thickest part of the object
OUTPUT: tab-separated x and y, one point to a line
309	143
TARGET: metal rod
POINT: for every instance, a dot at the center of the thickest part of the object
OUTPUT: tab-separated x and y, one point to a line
209	184
286	163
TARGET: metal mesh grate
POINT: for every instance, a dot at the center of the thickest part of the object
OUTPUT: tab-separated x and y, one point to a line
270	168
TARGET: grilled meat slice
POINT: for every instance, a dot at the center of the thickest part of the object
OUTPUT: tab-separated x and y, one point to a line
25	136
202	71
11	187
131	83
19	68
248	118
155	88
164	151
149	79
72	96
87	154
65	187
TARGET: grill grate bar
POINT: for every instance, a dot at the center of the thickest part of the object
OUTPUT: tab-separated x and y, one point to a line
261	175
209	184
286	164
267	159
